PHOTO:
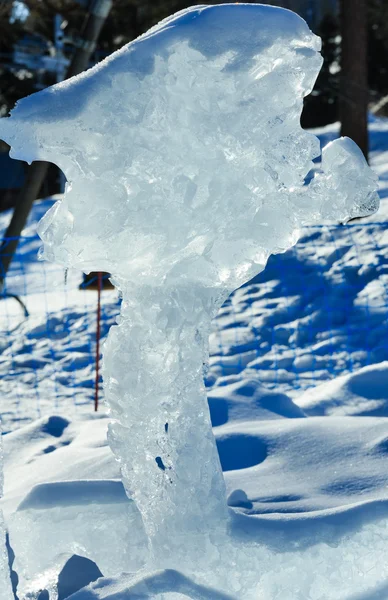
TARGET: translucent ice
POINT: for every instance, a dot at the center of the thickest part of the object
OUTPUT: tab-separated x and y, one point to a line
186	168
84	518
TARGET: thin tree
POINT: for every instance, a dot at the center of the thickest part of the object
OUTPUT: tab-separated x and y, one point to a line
353	93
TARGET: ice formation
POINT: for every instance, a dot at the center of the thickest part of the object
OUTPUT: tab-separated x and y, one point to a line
186	167
82	527
5	582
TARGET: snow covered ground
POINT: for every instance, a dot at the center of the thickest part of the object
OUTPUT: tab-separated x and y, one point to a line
298	394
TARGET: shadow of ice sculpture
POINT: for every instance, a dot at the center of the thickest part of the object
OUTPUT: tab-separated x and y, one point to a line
186	163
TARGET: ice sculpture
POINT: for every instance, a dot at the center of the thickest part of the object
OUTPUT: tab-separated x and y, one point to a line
5	581
186	167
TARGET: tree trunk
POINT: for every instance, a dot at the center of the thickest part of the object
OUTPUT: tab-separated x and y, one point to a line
353	96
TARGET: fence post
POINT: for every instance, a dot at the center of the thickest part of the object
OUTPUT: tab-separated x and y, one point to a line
98	336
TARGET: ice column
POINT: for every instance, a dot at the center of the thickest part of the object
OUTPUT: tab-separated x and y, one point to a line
186	167
153	372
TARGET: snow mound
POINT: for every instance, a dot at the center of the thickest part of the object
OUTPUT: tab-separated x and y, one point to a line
249	399
364	393
305	466
34	456
73	493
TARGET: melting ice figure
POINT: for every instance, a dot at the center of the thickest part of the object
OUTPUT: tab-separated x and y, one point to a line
186	167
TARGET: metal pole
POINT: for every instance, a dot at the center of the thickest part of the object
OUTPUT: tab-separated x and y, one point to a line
98	337
36	174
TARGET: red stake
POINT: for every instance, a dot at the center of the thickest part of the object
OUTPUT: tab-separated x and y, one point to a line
98	334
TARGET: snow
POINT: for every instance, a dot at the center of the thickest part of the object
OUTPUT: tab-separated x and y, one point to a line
47	357
364	393
5	582
314	313
75	490
315	487
308	492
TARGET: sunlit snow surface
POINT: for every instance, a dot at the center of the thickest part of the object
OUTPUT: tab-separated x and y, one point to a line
186	164
5	582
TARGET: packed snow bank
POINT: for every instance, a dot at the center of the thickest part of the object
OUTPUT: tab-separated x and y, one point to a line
212	125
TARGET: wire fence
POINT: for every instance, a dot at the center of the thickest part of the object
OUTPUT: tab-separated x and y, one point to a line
48	325
318	311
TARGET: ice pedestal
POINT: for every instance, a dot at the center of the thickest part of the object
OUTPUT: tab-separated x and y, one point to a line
153	373
186	167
